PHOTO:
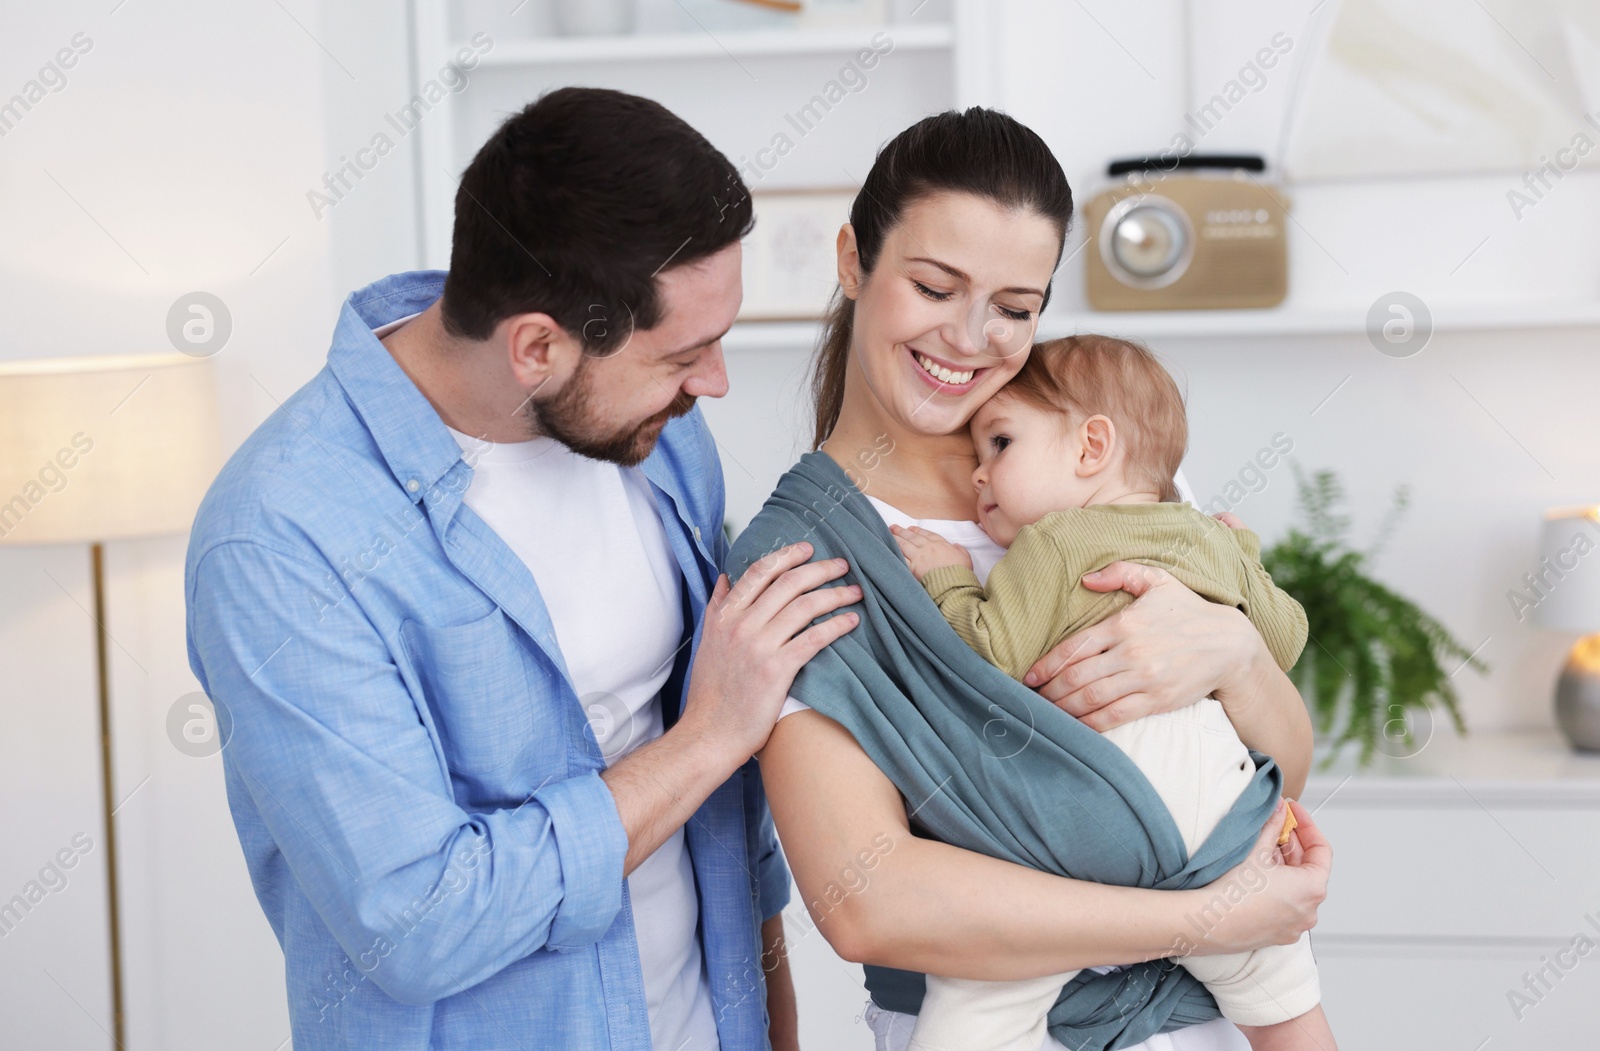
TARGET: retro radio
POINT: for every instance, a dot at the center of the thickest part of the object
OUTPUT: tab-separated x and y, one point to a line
1194	233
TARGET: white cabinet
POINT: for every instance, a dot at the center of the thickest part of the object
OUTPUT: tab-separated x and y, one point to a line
1465	896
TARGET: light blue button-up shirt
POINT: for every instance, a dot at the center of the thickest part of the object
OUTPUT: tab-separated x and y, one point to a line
413	779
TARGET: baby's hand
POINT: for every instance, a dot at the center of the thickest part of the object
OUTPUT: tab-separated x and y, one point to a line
928	551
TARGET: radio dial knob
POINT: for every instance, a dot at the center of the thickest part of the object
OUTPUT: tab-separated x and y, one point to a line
1148	242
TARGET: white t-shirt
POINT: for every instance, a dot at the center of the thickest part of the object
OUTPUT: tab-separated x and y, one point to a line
592	536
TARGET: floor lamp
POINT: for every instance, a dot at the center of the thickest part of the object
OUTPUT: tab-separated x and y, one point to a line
94	449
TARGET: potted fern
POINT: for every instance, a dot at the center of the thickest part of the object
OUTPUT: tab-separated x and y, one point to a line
1374	664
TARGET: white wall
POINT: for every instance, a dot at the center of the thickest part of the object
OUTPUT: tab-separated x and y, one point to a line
55	956
176	158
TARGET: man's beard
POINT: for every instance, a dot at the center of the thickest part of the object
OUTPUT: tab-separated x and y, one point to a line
568	419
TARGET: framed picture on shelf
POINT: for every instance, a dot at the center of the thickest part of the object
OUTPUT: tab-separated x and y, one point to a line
790	262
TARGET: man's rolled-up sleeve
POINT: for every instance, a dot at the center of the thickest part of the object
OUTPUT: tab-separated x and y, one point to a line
324	734
591	856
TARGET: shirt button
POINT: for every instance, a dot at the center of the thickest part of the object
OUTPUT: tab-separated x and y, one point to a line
697	532
413	485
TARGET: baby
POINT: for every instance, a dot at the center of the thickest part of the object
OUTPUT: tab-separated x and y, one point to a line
1076	457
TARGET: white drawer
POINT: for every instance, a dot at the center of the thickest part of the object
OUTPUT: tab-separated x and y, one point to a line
1461	871
1400	1000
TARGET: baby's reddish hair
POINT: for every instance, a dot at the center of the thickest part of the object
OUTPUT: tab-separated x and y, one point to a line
1086	375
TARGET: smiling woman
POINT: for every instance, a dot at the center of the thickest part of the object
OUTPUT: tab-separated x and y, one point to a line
935	314
943	270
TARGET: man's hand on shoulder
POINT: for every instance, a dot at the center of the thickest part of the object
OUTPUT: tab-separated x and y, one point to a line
756	637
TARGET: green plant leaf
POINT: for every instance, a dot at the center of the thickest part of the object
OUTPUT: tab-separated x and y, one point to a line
1371	653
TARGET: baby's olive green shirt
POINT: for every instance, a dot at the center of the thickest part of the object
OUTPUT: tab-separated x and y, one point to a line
1035	597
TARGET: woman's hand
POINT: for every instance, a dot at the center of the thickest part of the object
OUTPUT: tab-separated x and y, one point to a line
1167	649
1270	898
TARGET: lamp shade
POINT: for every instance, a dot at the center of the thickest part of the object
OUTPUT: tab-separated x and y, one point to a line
1567	583
103	448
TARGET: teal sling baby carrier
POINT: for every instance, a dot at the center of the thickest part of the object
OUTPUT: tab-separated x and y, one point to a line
989	765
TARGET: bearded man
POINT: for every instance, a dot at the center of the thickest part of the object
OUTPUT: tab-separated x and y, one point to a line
489	704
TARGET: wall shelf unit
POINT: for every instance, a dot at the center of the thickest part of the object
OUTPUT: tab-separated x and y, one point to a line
740	88
1314	321
1223	324
670	46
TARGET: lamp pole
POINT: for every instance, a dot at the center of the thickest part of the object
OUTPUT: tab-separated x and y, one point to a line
97	559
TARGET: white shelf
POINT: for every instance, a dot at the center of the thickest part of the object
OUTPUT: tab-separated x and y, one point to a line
772	335
666	46
1291	321
1205	324
1509	768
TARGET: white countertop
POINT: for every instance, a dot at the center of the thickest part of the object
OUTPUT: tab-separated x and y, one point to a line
1503	767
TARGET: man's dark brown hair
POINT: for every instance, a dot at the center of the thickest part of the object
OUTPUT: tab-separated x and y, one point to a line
575	204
